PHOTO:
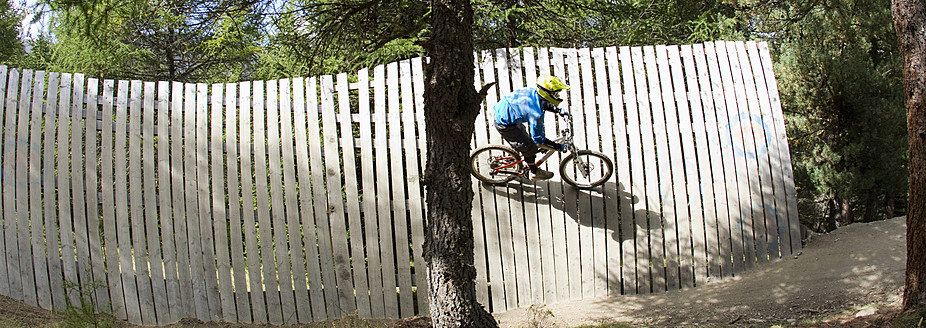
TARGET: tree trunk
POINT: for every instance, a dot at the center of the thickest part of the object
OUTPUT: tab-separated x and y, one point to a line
910	23
451	104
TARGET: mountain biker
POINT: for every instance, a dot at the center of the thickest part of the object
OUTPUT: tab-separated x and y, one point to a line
527	105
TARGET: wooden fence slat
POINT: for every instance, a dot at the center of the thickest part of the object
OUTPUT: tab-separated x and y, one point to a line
368	183
291	97
336	204
220	213
321	204
108	205
68	254
270	288
413	103
277	229
248	212
563	66
623	231
11	252
587	219
81	240
710	167
352	199
677	220
786	175
492	214
479	233
92	184
22	191
36	217
661	229
204	219
533	209
155	258
136	206
165	203
180	92
637	104
776	202
399	200
756	153
235	222
380	143
693	260
282	267
716	117
519	222
608	249
313	277
9	93
123	223
191	192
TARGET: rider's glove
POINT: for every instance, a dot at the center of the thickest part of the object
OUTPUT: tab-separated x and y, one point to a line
564	112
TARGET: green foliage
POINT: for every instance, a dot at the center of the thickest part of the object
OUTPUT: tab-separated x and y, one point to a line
839	75
11	46
85	315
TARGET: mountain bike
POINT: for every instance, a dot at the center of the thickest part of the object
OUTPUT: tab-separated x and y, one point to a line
584	169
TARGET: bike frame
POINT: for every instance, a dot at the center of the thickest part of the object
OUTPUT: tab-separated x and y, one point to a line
565	139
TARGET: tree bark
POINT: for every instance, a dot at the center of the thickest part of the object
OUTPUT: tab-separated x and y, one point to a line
451	104
910	23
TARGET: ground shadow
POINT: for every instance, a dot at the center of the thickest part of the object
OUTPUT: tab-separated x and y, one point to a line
609	206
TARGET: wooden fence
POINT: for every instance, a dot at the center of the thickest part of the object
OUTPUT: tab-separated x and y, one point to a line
300	200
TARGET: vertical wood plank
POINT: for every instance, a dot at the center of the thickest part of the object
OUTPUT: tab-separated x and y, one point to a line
676	217
200	301
13	283
270	288
108	208
381	145
178	184
711	168
39	255
220	213
295	280
352	204
368	182
22	192
399	203
81	240
9	93
322	223
787	175
534	212
207	237
492	213
313	277
248	209
584	102
640	134
336	208
727	197
152	221
282	268
623	236
411	105
123	220
509	202
65	215
738	222
92	183
661	212
235	209
479	232
165	203
609	249
694	143
136	206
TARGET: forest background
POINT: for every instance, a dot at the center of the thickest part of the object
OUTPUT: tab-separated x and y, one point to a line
837	61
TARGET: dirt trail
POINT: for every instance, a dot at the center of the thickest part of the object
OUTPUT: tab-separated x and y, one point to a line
842	271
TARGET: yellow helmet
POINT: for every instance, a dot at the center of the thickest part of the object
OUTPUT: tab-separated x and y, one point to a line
549	87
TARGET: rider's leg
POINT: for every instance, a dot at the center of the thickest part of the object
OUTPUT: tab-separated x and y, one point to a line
516	135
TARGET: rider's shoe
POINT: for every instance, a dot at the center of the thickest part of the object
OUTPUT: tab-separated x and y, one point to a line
541	174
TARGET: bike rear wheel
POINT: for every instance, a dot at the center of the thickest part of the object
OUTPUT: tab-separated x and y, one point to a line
495	164
586	169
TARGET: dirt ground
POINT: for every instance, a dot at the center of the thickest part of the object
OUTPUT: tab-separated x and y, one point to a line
852	277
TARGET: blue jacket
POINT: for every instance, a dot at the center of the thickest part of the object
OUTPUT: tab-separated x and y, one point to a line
524	106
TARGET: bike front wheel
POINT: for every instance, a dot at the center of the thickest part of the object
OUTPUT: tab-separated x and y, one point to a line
495	164
586	169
